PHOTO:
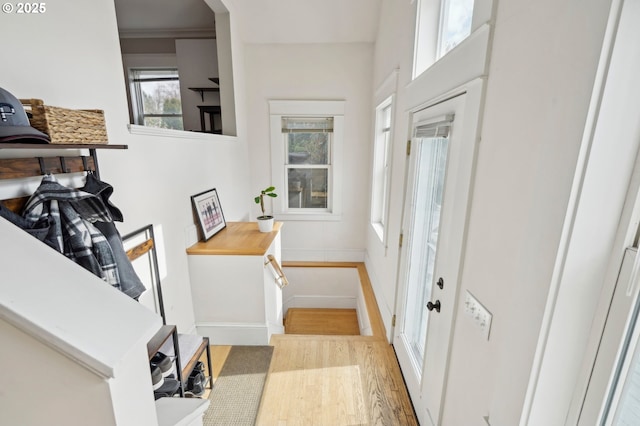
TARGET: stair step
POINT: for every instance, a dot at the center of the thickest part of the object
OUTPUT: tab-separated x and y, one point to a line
322	321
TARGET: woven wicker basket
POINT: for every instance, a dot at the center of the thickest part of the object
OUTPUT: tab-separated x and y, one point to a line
67	126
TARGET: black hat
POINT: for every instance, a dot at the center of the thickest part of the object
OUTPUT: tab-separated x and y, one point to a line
14	123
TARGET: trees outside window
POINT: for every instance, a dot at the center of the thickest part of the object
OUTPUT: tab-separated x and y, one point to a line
156	98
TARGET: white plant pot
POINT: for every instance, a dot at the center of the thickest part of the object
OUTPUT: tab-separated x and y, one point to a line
265	223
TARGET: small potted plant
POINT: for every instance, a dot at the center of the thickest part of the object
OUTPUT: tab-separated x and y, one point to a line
265	222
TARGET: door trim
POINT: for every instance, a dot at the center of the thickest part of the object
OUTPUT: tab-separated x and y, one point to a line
469	129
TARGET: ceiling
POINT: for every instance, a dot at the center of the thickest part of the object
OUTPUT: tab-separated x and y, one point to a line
158	18
307	21
259	21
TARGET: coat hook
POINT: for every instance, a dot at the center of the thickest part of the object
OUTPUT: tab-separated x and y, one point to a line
43	169
85	166
63	165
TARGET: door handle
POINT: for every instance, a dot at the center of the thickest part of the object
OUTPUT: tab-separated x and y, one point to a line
432	306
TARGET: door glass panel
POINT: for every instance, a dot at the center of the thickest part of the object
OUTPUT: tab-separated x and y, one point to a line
429	185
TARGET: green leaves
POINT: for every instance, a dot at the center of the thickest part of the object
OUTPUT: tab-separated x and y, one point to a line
268	192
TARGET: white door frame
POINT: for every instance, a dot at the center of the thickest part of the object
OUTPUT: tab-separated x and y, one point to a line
468	128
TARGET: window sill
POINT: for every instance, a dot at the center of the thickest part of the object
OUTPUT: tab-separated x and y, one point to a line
136	129
318	217
379	231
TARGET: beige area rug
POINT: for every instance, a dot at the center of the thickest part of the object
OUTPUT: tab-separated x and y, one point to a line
236	393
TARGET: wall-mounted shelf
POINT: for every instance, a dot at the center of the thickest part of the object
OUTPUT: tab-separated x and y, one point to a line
19	168
201	90
60	146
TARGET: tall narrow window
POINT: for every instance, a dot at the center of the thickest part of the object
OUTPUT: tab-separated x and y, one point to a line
155	98
381	168
308	162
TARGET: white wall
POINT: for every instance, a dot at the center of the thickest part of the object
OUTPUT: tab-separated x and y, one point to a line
64	330
541	73
154	179
525	171
197	62
320	288
43	371
315	72
395	29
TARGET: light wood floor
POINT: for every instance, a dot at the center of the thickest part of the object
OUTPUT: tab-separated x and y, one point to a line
333	380
319	321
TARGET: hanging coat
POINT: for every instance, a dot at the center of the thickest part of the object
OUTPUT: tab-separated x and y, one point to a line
73	214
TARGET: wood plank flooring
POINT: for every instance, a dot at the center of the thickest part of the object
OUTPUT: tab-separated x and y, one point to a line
317	321
333	380
336	380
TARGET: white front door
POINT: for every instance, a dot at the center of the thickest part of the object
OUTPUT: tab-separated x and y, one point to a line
434	224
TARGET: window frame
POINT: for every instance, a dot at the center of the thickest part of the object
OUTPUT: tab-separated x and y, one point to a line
381	180
429	28
445	8
279	109
289	166
137	105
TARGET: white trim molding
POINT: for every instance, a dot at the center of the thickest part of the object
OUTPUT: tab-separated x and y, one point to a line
319	255
226	333
307	108
135	129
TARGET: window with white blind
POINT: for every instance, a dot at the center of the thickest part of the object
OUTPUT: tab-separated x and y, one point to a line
308	161
306	140
381	169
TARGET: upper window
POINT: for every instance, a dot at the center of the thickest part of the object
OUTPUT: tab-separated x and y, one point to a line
455	24
306	140
440	26
155	98
381	168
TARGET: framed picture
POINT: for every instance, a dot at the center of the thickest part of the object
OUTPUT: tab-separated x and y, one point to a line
209	211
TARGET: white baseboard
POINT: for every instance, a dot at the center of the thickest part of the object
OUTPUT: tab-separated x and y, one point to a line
309	301
307	255
220	333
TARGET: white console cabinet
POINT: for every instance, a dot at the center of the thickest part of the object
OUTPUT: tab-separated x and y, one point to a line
237	298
